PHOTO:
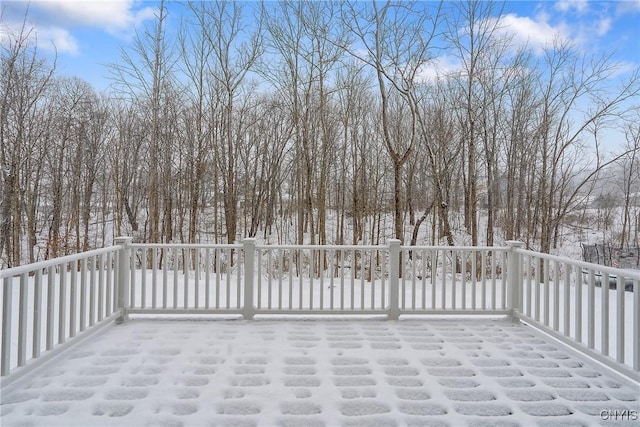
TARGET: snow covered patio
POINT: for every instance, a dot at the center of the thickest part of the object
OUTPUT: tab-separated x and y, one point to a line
369	372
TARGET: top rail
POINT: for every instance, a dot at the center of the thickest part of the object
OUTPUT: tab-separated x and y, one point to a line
27	268
630	274
379	247
185	245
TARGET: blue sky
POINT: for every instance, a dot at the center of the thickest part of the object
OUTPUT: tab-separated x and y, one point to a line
88	34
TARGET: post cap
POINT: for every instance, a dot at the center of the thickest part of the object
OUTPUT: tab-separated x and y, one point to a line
123	240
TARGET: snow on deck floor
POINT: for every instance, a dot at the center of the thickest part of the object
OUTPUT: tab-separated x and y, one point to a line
318	373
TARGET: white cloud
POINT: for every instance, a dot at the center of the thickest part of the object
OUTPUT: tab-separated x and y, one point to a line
604	25
110	15
628	6
55	20
61	40
48	38
581	6
439	67
536	33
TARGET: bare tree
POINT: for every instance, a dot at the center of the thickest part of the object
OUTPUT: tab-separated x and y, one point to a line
472	34
630	179
568	80
145	71
233	57
126	161
437	132
24	78
196	53
397	41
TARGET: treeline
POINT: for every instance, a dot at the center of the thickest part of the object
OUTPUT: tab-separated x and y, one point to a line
312	122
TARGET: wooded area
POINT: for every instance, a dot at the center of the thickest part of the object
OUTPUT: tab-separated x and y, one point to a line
315	122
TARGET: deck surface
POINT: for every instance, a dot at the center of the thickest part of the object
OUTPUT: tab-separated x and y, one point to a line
319	373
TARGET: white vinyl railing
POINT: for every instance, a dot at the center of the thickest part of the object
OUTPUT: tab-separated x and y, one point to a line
186	279
556	295
593	308
251	279
49	305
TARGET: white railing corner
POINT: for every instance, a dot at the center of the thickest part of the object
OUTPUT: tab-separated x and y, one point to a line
514	277
394	279
249	249
123	276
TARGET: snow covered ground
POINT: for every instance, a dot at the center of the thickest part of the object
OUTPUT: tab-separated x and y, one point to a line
319	373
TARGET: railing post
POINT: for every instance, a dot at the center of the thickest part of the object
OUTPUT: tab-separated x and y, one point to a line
514	277
249	249
7	305
394	279
123	276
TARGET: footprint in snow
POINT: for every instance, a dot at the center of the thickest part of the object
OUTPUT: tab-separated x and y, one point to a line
238	408
187	393
440	362
167	351
112	409
184	408
385	346
545	409
126	394
404	382
302	393
86	381
200	370
392	361
139	381
360	408
470	395
252	360
422	409
300	370
483	409
99	370
458	383
301	381
299	361
348	361
345	344
490	362
401	371
120	352
517	383
19	396
247	370
527	395
371	421
49	409
354	393
233	394
146	370
63	395
354	381
410	394
249	381
300	408
195	381
352	370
